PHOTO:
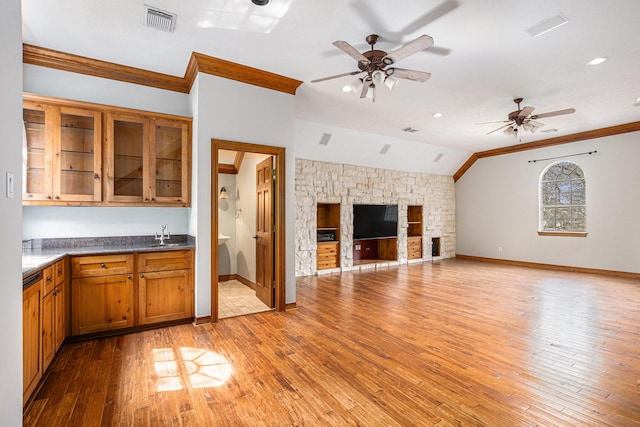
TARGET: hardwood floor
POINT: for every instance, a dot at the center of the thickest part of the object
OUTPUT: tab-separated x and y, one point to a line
455	342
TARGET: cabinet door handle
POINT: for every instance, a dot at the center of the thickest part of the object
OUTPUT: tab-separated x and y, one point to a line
103	266
49	279
129	277
57	197
142	276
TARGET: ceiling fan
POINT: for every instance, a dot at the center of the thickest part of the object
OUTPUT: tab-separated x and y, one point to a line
374	64
523	119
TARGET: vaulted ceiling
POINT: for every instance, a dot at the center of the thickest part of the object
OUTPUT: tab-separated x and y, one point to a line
483	57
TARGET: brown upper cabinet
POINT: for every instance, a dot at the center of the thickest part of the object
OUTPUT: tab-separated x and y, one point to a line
63	153
87	154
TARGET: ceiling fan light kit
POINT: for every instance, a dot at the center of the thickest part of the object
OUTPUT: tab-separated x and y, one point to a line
523	119
374	62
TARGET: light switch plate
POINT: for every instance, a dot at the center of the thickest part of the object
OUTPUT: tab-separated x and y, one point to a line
10	185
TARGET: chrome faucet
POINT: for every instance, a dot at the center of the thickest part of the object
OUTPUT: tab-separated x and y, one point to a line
162	237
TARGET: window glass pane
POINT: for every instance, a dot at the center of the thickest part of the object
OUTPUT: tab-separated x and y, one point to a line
578	192
549	194
548	219
564	192
579	214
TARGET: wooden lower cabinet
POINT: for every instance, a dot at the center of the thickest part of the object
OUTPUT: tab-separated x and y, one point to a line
48	329
109	293
165	286
101	303
328	255
165	295
31	339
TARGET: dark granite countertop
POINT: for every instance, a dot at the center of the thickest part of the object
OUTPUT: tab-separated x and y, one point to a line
48	251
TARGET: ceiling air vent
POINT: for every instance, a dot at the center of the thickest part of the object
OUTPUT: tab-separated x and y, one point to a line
159	19
411	129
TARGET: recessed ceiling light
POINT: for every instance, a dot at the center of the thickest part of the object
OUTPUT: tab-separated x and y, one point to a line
260	2
437	115
347	89
597	61
637	99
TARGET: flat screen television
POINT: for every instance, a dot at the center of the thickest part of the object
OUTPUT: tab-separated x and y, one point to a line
375	221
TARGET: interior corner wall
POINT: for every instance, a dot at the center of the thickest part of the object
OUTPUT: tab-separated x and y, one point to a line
10	260
228	216
235	111
497	206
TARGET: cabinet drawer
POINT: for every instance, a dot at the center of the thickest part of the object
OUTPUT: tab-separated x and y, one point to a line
327	248
101	265
163	261
59	272
321	265
48	280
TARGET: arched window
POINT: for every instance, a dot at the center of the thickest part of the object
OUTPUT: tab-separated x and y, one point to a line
563	201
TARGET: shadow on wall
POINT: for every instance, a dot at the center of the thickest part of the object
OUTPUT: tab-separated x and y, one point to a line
224	260
243	267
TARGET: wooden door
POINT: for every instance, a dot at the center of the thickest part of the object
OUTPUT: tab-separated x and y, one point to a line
59	316
169	153
264	232
77	163
101	303
31	339
38	158
48	332
165	295
127	159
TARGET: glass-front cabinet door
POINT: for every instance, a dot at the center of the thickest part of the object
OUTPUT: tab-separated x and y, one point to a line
170	159
62	154
78	159
37	154
126	158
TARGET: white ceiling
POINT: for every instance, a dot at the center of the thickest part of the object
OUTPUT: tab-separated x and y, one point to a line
489	59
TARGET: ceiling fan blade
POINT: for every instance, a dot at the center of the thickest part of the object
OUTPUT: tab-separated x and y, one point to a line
421	43
352	73
365	89
401	73
500	128
526	111
490	123
535	124
430	16
351	51
554	113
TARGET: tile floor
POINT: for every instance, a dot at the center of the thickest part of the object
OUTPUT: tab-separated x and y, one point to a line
237	299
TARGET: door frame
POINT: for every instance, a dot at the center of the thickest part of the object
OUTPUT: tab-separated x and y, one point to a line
279	218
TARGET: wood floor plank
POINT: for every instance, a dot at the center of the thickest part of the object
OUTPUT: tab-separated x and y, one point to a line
455	342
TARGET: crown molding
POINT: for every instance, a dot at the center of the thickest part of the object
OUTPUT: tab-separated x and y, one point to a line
198	63
566	139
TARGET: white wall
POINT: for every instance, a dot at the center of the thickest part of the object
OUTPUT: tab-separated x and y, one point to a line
61	84
227	263
352	147
497	206
11	214
234	111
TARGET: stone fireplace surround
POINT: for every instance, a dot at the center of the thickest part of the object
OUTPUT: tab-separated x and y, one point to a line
324	182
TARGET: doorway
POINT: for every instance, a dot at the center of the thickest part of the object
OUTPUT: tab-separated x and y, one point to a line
274	233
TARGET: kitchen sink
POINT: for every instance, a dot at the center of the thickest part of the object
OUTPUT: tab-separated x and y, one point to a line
165	245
